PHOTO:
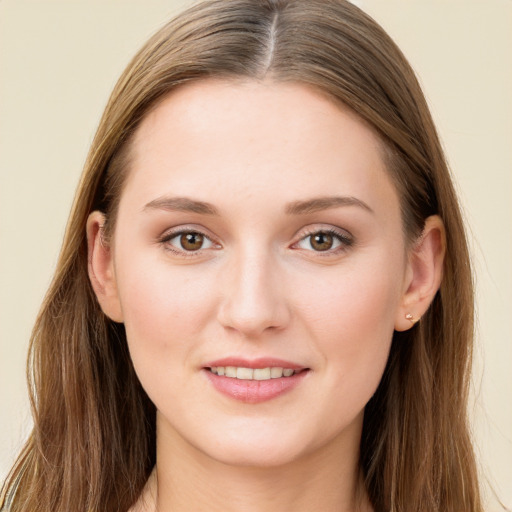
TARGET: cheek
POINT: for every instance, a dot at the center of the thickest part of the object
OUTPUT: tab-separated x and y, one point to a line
352	302
351	318
164	308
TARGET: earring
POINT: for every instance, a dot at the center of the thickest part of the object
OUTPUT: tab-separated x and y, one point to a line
411	319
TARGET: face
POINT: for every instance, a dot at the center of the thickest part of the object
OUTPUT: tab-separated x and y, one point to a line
258	231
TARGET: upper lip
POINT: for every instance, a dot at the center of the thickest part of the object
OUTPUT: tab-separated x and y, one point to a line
260	362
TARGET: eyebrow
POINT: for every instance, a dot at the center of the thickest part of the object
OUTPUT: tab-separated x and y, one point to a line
182	204
324	203
185	204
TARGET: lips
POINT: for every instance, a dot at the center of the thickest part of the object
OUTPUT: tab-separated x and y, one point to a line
254	381
243	373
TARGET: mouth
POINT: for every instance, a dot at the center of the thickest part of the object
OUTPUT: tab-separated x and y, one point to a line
243	373
254	381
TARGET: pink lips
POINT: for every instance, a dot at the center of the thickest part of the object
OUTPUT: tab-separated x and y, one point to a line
254	391
261	362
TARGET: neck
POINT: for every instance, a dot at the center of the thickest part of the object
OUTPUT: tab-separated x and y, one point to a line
187	479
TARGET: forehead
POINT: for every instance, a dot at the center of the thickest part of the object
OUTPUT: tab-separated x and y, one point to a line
217	139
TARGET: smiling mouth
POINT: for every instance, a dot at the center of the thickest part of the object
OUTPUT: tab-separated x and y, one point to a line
241	373
254	382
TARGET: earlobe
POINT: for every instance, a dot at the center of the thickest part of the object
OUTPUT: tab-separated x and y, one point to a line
101	267
424	274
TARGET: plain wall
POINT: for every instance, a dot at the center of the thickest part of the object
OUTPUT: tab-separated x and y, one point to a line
59	60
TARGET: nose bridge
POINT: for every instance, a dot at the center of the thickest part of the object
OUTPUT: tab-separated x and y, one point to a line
253	300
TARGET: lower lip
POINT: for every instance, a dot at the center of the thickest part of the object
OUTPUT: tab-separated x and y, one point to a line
254	391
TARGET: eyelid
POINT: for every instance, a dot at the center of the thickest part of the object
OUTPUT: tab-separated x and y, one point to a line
172	233
345	238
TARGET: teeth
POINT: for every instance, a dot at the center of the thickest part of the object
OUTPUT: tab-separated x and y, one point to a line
262	373
244	373
230	371
253	374
276	372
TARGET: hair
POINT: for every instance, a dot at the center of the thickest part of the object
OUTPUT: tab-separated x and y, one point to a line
92	447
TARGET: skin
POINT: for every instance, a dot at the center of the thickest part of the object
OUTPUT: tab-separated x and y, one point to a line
258	287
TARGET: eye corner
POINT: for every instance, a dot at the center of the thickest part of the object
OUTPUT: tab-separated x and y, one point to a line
330	241
198	243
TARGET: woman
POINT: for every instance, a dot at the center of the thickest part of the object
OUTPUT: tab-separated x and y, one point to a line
264	294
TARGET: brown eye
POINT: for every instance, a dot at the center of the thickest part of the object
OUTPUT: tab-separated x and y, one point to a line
187	242
321	241
191	241
330	242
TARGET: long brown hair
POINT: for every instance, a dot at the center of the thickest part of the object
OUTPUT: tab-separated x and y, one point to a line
93	443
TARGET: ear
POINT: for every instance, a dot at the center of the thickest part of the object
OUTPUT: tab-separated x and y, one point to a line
424	274
101	267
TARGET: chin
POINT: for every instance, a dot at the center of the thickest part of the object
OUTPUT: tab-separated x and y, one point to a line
256	456
262	447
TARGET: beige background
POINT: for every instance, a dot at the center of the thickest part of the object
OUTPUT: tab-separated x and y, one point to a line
58	62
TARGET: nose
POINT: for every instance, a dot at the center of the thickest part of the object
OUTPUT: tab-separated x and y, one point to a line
253	298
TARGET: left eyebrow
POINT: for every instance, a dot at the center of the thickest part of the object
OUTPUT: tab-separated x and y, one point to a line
324	203
182	204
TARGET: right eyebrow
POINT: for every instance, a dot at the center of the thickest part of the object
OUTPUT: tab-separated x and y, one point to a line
181	204
324	203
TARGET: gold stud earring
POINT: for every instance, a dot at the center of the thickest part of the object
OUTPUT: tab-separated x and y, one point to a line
411	319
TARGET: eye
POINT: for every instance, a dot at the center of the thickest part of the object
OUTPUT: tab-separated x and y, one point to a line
324	240
188	241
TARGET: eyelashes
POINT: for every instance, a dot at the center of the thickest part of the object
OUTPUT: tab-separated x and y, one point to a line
323	241
191	241
187	242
